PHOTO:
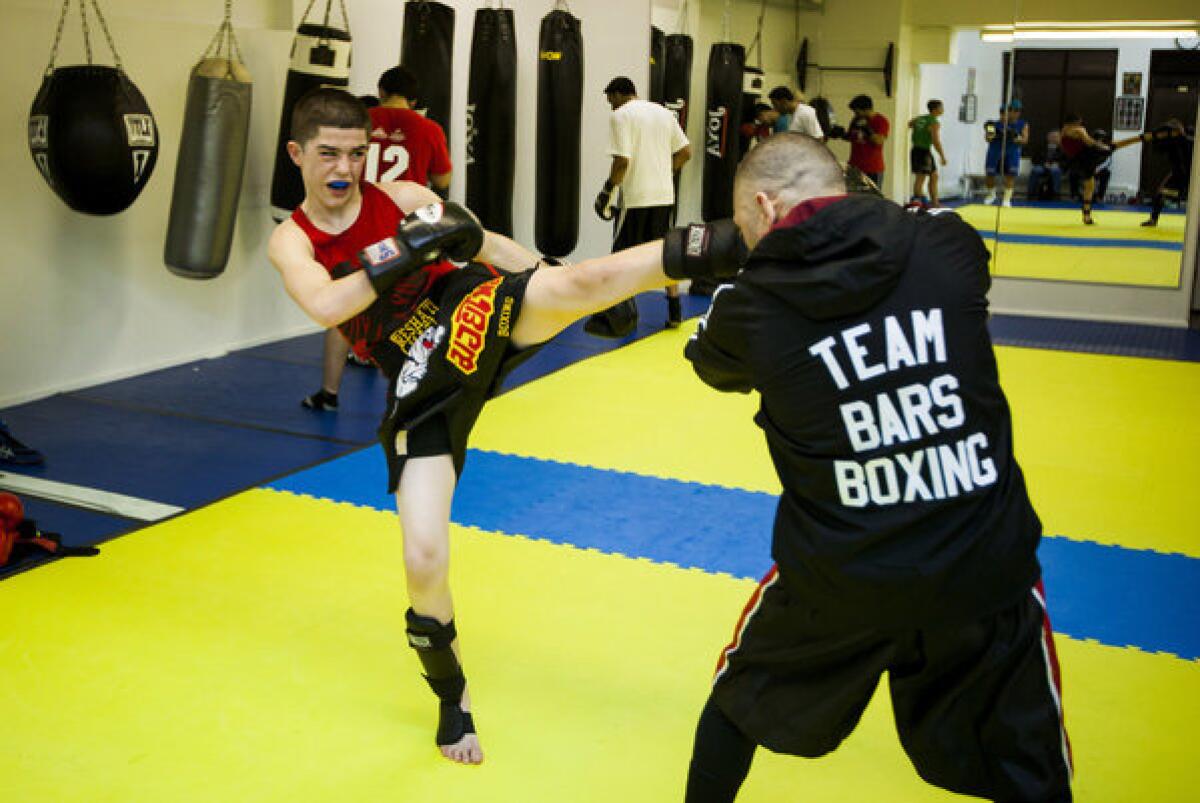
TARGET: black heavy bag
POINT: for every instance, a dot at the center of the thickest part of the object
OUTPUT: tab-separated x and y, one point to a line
726	62
492	119
427	48
658	58
208	173
320	57
93	138
677	75
560	105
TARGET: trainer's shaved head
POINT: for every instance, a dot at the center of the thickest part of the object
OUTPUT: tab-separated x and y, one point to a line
784	170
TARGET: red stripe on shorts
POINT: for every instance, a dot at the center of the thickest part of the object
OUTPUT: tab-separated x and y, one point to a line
744	619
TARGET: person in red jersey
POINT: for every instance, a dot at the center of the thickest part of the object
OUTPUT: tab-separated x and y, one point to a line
445	309
405	146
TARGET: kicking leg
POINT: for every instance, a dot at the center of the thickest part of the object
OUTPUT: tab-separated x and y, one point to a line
423	500
559	295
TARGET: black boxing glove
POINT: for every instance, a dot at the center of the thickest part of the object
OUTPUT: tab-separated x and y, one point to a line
704	251
603	205
437	231
837	132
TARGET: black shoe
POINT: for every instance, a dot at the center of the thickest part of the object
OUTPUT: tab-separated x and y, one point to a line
1150	222
674	312
15	452
321	400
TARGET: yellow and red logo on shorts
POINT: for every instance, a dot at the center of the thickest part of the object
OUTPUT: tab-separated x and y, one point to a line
468	327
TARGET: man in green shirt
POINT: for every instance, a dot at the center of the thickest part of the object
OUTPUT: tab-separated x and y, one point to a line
926	135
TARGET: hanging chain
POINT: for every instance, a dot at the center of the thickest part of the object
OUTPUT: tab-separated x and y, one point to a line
227	39
758	37
62	18
107	36
87	39
725	21
681	20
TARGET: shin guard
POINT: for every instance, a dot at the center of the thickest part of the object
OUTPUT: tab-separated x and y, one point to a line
431	639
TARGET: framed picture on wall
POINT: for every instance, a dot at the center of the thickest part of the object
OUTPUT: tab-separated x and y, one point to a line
1127	115
1131	83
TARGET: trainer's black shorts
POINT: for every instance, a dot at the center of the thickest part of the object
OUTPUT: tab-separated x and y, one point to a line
921	161
977	706
458	351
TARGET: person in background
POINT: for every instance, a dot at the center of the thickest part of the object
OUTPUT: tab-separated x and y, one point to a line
926	138
647	148
1005	136
867	132
794	113
1046	175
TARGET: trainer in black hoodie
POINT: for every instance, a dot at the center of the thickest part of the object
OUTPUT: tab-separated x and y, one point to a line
864	329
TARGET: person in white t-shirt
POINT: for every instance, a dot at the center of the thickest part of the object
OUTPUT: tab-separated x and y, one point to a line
647	147
802	118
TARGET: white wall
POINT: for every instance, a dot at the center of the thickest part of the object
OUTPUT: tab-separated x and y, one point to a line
87	299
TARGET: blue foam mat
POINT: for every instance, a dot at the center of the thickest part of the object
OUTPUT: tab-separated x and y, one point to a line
163	458
1118	596
1096	337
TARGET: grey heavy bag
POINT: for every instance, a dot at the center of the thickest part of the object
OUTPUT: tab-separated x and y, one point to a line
320	57
208	173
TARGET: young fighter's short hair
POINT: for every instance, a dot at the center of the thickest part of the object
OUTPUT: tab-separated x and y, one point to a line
330	107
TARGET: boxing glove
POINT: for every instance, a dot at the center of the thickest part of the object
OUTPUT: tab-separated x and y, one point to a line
704	251
604	205
437	231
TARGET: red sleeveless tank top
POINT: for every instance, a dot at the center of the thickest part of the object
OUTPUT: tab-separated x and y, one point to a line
377	218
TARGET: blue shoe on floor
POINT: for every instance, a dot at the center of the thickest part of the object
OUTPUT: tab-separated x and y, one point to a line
14	452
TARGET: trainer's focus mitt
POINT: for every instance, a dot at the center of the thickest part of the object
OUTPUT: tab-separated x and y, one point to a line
604	204
704	251
437	231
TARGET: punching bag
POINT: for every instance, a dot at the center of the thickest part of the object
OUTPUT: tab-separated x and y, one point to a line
320	57
91	134
559	109
427	48
677	75
658	57
208	172
492	119
726	62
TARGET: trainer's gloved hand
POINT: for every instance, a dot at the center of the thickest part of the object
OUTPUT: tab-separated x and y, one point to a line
437	231
837	132
603	203
704	251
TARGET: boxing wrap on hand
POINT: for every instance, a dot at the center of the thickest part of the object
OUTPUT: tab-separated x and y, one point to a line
603	205
704	251
437	231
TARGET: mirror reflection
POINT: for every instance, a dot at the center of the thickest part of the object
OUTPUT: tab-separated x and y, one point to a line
1103	140
1072	155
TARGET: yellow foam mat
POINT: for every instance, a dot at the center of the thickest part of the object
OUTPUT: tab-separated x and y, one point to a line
1078	262
1111	223
254	651
1108	444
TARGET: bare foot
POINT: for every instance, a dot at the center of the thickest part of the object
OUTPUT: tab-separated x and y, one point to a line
465	751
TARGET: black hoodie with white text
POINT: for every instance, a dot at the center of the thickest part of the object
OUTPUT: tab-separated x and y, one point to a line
864	330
